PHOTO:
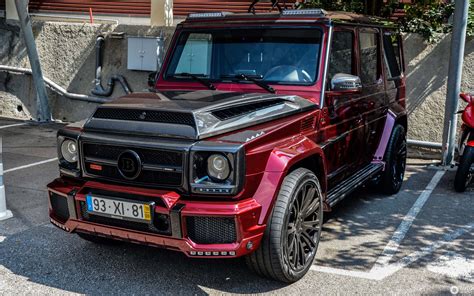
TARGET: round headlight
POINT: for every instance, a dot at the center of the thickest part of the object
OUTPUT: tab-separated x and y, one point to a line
218	167
69	150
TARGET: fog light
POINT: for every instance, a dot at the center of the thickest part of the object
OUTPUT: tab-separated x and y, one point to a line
249	245
193	253
232	253
208	253
200	253
223	253
215	253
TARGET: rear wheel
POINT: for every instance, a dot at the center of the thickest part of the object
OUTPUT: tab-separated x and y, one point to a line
98	239
391	178
293	230
465	172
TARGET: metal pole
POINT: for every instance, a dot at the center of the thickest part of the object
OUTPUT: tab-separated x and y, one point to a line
458	41
44	113
4	213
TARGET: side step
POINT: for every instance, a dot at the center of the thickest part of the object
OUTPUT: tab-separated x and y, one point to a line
341	190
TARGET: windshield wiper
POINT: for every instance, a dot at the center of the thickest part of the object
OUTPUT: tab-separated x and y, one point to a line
260	83
196	77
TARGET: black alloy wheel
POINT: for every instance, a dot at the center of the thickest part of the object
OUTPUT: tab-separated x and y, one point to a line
395	162
293	230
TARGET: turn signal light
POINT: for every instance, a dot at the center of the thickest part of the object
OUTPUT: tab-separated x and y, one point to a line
95	167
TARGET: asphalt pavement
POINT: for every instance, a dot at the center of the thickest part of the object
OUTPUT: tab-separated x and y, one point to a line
420	241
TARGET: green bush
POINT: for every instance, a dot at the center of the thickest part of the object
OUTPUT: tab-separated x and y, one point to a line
430	18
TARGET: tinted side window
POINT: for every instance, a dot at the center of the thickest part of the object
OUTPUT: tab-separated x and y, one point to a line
369	57
391	45
342	53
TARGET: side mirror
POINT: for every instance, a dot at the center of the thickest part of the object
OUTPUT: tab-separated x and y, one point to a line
345	82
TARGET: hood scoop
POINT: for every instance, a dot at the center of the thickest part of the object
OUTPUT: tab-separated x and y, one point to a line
231	112
187	119
145	116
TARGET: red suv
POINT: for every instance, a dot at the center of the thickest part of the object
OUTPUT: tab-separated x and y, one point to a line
259	123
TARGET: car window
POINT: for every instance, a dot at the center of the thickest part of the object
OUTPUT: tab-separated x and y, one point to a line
342	53
391	46
196	56
276	55
369	57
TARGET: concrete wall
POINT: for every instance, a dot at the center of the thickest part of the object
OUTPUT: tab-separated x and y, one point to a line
68	57
67	53
427	70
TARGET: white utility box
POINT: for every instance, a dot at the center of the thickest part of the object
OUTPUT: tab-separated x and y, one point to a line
142	53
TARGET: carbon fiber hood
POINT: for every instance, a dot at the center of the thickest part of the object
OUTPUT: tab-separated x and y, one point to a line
192	115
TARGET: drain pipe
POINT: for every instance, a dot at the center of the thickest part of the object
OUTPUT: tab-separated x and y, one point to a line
99	89
55	87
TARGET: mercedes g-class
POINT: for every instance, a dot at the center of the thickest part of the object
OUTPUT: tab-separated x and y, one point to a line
258	124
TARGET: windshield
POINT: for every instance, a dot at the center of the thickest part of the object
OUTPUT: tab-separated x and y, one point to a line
272	55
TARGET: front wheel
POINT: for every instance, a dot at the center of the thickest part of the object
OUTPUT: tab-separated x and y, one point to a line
293	230
465	173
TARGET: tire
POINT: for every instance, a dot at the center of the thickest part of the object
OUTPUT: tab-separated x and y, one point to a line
395	159
98	239
294	226
464	174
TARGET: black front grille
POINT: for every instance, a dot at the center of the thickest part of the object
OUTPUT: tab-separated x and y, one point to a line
145	115
160	225
59	206
166	166
231	112
211	230
148	156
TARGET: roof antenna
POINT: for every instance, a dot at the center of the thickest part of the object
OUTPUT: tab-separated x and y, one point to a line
275	3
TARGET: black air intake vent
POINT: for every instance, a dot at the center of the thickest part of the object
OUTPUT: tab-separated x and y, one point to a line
307	124
146	116
224	114
211	230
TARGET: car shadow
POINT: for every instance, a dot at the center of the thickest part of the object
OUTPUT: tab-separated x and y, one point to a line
51	257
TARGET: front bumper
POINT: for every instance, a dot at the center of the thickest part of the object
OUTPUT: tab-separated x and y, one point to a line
66	210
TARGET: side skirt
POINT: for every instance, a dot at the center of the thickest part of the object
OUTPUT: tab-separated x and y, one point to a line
341	190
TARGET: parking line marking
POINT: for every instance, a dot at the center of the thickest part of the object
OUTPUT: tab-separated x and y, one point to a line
384	271
30	165
381	269
392	247
12	125
379	273
2	238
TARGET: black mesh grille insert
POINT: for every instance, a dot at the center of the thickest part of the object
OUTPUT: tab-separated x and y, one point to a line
160	225
228	113
59	206
170	162
148	156
145	115
211	230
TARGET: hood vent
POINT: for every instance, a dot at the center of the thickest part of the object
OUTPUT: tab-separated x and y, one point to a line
228	113
307	124
145	116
